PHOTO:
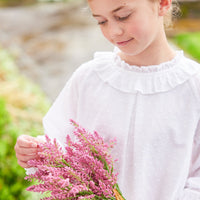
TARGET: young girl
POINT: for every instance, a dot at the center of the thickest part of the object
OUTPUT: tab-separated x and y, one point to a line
145	94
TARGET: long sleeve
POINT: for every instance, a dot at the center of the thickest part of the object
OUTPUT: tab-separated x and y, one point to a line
192	188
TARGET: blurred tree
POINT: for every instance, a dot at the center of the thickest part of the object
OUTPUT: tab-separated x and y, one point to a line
190	9
16	2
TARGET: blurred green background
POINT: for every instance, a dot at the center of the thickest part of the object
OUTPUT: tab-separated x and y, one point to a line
40	42
186	34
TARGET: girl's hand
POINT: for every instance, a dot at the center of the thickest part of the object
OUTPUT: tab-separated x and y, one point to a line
26	149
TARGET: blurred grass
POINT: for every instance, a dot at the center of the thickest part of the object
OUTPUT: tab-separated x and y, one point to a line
22	107
190	43
25	101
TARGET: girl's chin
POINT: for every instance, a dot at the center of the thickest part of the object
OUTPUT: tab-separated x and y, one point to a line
129	52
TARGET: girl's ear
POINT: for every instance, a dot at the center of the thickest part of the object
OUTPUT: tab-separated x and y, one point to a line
164	6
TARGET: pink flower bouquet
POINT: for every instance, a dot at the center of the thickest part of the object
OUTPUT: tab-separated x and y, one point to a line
83	170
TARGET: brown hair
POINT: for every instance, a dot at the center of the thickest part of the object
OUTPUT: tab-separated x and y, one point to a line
172	14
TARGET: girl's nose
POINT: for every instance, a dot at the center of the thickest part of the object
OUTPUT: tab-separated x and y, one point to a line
115	30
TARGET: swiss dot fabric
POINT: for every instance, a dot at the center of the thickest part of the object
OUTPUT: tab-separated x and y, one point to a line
152	111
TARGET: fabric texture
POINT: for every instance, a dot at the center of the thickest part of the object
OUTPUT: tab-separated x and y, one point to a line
152	111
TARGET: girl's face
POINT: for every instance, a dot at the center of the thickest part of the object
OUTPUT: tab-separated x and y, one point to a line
131	25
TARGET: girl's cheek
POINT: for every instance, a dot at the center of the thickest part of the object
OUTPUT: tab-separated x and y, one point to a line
139	29
105	33
134	30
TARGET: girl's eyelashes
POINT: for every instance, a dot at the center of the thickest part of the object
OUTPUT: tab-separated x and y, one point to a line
117	18
101	23
123	18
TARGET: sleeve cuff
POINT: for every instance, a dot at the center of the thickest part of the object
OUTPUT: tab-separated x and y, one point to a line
31	170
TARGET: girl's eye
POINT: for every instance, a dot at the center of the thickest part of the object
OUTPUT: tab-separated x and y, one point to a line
101	23
123	18
118	18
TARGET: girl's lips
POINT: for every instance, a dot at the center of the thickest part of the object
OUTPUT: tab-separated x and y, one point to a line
124	42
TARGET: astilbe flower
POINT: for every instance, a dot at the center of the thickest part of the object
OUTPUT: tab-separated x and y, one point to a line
83	170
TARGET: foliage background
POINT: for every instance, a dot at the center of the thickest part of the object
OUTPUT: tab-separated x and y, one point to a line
190	42
22	105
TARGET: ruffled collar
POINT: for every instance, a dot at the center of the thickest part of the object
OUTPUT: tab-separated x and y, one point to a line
148	69
145	79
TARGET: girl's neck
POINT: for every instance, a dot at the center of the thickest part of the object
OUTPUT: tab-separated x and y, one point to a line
158	52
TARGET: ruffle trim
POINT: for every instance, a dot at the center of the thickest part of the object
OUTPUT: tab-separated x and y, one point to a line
146	79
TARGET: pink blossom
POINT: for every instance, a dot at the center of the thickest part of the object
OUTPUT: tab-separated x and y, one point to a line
83	170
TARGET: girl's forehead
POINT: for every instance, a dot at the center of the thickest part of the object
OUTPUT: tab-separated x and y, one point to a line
107	3
112	3
116	1
103	5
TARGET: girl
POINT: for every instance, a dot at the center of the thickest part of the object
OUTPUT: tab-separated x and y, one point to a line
145	94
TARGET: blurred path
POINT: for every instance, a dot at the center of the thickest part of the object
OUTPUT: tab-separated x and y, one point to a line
50	41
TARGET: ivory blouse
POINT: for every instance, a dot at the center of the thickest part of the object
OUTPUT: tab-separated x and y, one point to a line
152	111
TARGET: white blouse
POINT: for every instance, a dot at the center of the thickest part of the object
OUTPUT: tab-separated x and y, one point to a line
152	111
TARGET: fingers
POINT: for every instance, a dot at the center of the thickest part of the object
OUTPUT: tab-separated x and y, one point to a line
23	164
26	158
26	149
24	155
27	141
